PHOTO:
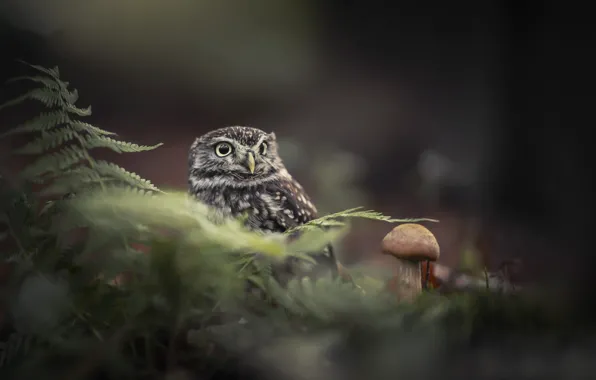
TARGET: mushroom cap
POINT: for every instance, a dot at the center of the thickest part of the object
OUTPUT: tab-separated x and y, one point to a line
411	241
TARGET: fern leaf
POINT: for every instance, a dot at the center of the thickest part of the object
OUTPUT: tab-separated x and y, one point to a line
47	96
117	146
68	157
334	220
45	121
47	82
48	140
54	72
109	169
54	84
175	212
91	129
75	110
63	159
57	128
72	97
129	190
77	179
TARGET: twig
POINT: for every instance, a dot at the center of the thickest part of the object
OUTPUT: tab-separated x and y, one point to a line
427	277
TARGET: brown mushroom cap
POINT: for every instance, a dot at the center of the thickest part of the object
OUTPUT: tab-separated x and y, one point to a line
412	242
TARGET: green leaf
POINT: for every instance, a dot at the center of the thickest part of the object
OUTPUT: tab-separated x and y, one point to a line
47	82
54	72
314	241
45	121
117	146
86	127
176	212
71	98
48	97
56	162
336	219
258	281
47	141
108	169
77	179
47	207
70	108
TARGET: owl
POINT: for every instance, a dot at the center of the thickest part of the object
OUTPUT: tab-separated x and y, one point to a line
237	171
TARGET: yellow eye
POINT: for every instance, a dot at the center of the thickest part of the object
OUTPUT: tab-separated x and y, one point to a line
223	149
263	149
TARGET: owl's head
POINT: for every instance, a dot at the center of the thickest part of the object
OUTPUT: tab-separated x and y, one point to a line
239	153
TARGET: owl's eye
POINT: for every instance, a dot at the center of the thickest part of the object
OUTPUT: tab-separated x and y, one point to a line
263	149
223	149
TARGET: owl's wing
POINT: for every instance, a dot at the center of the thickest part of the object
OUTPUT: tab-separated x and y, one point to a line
293	208
290	205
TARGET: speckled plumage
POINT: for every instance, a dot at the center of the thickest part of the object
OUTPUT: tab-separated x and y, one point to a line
270	198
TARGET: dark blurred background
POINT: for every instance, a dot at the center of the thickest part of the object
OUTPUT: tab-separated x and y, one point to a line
450	110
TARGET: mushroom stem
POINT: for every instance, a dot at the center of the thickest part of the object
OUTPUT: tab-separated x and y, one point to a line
407	282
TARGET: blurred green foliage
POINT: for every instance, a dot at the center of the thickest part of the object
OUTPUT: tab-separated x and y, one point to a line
133	282
262	47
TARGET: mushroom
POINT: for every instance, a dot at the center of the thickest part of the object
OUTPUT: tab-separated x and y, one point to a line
410	243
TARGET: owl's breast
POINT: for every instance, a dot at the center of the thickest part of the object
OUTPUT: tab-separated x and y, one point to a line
250	202
258	207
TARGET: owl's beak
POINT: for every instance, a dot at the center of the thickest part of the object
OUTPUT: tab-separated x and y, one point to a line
251	162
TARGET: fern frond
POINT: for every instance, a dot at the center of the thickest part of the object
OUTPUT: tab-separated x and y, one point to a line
316	239
108	169
128	190
45	121
86	127
47	141
47	82
61	160
102	172
70	108
336	219
48	97
111	176
174	212
71	98
74	181
117	146
61	169
54	72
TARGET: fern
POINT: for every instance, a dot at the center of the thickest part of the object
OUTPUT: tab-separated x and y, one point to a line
338	219
95	141
48	82
194	274
44	122
82	126
109	169
48	140
65	164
